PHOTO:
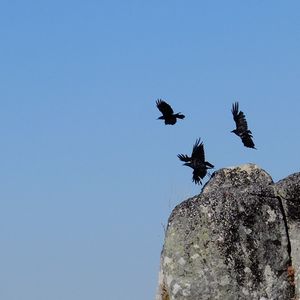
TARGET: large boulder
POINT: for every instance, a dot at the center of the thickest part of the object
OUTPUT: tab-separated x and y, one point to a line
229	242
288	189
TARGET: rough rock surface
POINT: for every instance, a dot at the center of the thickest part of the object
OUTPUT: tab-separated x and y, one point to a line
229	242
288	190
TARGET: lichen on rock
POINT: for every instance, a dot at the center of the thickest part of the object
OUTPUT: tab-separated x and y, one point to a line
229	242
288	190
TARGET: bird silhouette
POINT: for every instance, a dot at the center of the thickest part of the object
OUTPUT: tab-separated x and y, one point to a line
168	113
241	126
197	162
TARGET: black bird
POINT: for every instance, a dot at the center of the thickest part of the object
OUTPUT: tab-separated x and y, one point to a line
197	162
168	113
241	126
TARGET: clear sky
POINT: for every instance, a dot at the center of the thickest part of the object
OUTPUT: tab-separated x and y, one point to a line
88	176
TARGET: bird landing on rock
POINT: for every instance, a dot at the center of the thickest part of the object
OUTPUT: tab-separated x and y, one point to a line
197	162
168	113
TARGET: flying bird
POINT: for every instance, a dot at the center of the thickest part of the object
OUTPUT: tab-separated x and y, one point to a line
241	126
197	162
168	113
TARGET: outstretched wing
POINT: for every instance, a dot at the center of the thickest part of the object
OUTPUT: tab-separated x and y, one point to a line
184	157
164	107
198	151
239	118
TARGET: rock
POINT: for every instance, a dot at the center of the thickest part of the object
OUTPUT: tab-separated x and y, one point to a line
288	190
229	242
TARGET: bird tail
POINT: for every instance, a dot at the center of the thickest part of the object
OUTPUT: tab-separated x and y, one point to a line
179	116
196	179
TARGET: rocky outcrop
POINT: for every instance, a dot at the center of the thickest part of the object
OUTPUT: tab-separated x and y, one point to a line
288	190
231	241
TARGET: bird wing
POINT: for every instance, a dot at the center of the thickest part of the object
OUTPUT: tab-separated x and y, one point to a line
184	157
247	140
164	107
239	118
198	151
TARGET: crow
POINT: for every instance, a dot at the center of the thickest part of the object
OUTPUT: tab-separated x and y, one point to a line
197	162
167	113
241	126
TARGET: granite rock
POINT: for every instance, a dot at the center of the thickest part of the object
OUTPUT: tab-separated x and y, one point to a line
229	242
288	189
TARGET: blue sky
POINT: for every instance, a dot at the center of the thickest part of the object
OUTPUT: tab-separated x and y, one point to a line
88	175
